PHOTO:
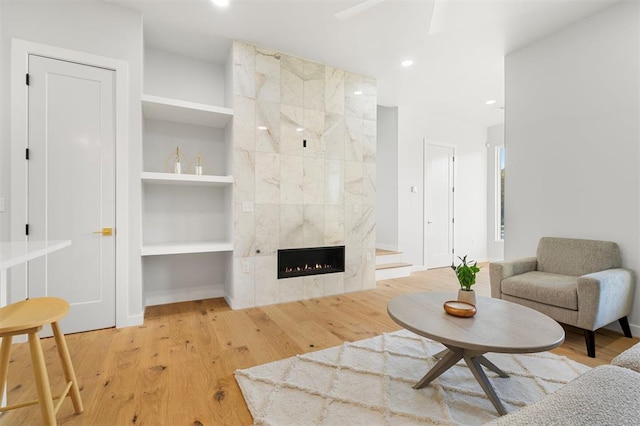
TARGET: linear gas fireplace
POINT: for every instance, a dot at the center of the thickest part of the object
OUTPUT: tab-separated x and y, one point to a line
310	261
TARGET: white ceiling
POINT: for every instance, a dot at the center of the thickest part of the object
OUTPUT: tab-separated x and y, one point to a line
455	70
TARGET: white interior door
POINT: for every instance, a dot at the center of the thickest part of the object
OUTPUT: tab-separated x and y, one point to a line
71	187
439	194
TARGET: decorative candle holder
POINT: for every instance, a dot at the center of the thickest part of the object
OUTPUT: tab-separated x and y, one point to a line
197	165
173	163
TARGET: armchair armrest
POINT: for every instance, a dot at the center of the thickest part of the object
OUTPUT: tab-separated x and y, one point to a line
604	297
501	270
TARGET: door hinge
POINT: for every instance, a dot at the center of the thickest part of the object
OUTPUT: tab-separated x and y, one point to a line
453	220
27	79
453	159
453	251
453	189
26	229
26	154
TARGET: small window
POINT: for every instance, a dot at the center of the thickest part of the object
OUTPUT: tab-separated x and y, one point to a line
500	157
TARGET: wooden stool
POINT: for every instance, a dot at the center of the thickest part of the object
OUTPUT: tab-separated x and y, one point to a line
28	317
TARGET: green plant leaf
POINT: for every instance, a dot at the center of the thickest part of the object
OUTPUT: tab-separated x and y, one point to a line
466	272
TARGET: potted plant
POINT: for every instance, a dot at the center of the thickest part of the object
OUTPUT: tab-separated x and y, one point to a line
466	273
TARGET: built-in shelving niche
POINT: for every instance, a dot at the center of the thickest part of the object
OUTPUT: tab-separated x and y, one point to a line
187	241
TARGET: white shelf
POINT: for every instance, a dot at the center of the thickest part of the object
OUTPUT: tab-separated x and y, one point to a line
179	111
186	179
155	249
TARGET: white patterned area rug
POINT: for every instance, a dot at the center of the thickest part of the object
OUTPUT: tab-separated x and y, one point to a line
369	382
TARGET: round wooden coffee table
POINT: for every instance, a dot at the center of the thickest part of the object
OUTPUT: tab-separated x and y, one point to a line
499	326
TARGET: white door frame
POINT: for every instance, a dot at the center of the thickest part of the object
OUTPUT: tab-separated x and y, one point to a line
20	51
425	144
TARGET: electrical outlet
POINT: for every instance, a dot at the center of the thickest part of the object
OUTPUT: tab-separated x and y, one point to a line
368	257
245	266
356	208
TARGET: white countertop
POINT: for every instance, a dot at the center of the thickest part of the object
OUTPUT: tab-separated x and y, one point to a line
17	252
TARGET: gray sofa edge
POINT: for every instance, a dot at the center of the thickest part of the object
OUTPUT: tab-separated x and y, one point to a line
605	395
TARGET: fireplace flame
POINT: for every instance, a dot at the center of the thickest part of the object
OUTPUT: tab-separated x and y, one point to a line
308	267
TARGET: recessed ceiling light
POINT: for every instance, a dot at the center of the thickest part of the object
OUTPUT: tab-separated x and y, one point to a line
262	127
220	3
490	102
299	129
358	92
407	62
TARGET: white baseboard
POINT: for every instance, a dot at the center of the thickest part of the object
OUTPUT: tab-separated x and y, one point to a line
417	268
20	338
229	300
184	295
243	305
131	321
615	326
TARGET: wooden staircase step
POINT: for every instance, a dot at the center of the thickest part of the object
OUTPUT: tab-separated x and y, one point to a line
392	265
381	252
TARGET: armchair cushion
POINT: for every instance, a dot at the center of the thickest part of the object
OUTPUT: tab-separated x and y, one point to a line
550	289
576	257
501	270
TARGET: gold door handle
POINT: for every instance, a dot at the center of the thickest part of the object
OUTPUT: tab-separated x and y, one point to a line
106	232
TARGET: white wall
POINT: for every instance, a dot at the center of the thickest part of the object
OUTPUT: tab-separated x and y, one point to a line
572	137
5	153
495	138
387	179
180	77
99	29
414	125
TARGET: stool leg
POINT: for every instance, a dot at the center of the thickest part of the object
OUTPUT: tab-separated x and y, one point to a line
42	380
67	367
5	354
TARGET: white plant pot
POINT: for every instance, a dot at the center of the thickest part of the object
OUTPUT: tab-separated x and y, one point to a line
467	296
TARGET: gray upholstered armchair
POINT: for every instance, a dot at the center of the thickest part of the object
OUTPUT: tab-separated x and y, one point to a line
575	282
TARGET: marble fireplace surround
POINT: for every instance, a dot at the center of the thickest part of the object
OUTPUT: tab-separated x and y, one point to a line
288	195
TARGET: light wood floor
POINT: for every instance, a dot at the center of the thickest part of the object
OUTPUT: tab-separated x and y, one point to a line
177	369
